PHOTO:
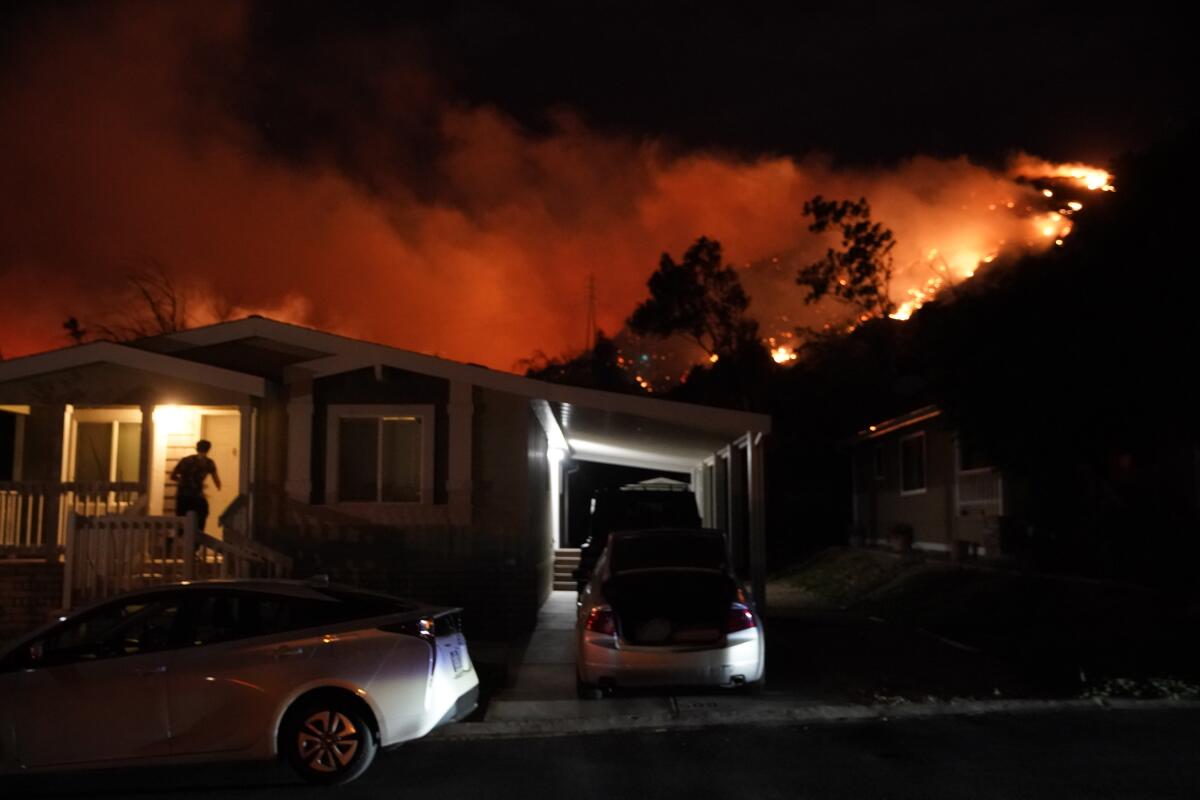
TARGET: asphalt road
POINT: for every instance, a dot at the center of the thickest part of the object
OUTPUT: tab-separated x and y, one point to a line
1100	754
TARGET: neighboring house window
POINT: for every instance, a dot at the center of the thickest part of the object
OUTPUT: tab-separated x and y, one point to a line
879	467
106	450
912	464
380	454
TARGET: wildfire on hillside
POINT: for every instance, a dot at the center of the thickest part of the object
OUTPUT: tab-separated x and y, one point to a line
1046	226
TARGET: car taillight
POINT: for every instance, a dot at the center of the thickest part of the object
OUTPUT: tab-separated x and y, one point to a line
600	620
740	618
422	627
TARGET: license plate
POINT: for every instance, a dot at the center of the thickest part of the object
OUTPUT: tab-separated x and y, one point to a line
456	660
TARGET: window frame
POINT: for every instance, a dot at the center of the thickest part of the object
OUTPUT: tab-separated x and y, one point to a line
114	418
379	412
924	487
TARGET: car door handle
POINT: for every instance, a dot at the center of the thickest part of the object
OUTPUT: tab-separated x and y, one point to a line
145	672
288	652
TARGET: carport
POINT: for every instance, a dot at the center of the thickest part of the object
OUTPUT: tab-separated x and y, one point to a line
720	450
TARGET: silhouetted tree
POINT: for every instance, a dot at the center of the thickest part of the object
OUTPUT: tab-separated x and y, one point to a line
75	330
596	368
860	272
699	297
155	305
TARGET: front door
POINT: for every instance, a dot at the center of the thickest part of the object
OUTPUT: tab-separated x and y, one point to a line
224	431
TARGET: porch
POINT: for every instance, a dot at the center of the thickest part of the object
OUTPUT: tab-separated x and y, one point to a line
105	460
101	504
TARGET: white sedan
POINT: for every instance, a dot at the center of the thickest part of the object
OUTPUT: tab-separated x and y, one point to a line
322	676
664	608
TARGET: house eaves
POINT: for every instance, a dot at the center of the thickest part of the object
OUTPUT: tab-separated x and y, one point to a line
134	358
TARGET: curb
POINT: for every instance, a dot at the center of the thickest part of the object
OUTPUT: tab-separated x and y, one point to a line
789	716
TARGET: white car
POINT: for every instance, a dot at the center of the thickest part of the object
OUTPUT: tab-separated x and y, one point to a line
322	676
664	608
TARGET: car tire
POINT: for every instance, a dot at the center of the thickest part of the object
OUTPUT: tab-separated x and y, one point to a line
328	740
588	691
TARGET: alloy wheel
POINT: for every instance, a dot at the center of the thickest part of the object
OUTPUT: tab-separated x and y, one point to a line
328	741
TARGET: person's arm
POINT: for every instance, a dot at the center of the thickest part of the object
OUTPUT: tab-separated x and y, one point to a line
216	477
175	472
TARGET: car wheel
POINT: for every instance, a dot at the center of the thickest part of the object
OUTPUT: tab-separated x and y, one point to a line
328	740
588	691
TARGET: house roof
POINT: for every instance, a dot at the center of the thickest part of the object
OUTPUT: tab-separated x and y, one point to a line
133	357
595	425
894	424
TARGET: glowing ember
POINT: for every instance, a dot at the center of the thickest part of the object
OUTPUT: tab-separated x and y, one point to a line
782	355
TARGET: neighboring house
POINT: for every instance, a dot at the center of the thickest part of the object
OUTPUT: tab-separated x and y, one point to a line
915	481
376	465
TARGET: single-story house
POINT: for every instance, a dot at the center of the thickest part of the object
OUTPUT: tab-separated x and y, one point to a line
376	465
916	483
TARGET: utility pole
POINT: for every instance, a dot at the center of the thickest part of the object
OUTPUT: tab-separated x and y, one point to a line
589	339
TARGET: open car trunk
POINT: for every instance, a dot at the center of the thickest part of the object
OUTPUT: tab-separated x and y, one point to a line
671	607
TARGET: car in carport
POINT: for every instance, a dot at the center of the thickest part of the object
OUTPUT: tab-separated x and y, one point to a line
319	675
663	607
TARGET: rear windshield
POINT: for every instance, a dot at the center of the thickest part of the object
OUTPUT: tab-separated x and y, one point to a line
653	550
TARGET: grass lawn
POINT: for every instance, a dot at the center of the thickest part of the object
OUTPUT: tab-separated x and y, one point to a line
1063	635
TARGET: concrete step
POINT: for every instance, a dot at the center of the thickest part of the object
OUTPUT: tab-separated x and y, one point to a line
565	586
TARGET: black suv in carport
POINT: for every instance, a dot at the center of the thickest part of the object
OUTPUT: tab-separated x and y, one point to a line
635	506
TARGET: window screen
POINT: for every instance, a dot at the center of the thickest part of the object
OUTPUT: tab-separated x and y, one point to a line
358	459
401	479
93	451
129	446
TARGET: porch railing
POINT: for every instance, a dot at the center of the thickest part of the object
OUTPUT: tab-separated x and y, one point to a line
33	514
981	491
106	555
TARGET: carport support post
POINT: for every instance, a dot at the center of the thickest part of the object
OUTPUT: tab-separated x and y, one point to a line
758	537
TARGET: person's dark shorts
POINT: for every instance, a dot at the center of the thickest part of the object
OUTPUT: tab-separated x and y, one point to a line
198	504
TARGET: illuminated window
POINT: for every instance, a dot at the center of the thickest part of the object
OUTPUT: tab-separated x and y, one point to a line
912	464
380	454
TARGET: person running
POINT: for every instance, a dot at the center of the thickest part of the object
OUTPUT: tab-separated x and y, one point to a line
189	475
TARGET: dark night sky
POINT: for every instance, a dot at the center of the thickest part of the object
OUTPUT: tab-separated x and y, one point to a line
865	82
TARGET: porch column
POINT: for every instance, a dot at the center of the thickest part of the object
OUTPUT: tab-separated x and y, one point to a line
299	443
246	445
758	519
146	454
720	505
458	479
739	466
49	430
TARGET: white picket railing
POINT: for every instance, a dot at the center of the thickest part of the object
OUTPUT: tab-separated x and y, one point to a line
106	555
980	490
33	514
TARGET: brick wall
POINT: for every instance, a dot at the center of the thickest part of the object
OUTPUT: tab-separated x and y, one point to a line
30	593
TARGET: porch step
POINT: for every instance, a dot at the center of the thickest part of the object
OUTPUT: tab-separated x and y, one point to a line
566	561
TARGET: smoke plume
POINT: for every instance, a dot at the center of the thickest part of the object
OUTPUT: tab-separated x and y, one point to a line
119	147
